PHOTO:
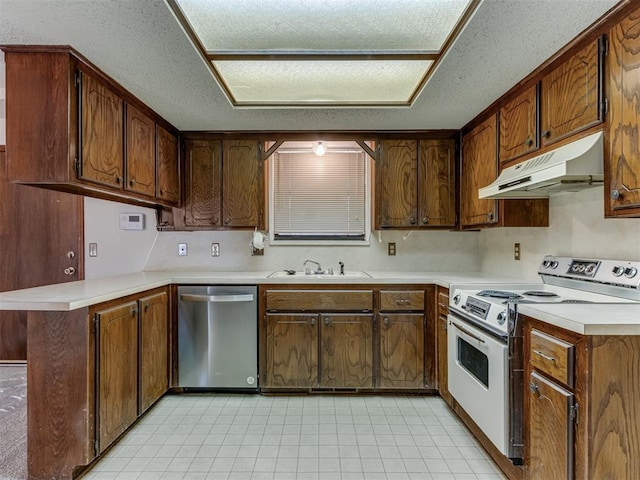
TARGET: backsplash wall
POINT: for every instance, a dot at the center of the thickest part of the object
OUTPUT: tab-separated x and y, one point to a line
577	228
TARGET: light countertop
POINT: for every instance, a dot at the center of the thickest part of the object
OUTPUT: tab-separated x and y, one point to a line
587	319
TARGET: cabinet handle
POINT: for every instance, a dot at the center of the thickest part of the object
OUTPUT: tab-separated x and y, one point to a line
425	219
546	357
118	179
490	216
69	271
327	320
134	312
146	307
615	194
443	305
412	220
227	219
161	191
534	388
312	321
529	142
71	254
546	134
385	320
132	182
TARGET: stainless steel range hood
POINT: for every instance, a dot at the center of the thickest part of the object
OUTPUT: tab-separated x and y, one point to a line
569	168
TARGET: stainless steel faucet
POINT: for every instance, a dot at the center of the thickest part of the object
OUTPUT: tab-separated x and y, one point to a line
308	270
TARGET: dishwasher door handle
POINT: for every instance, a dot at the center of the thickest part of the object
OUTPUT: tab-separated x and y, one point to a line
190	297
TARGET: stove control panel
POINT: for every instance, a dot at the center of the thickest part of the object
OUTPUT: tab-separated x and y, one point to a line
612	272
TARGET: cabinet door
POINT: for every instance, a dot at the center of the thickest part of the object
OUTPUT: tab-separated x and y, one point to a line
242	184
478	169
154	353
569	96
623	165
437	183
168	180
292	351
117	363
443	380
401	350
202	184
101	133
397	184
346	351
519	125
141	155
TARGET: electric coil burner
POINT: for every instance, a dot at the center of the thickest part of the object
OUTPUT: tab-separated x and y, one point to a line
485	344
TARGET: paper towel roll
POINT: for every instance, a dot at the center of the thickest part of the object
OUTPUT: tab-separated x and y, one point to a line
258	240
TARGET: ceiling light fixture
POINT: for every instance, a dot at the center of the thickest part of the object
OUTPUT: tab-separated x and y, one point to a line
319	148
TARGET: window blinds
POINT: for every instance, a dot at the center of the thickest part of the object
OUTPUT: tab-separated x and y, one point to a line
319	197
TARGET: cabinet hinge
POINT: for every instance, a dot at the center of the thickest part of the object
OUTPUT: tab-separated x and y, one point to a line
604	45
77	79
574	413
77	165
95	447
95	323
605	107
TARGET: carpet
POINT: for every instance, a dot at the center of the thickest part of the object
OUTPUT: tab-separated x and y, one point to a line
13	422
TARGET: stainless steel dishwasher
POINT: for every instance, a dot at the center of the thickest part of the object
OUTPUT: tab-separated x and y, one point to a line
218	337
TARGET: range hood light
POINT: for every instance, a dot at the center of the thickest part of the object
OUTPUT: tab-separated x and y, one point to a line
319	148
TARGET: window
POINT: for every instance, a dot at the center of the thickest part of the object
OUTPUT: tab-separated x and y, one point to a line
319	199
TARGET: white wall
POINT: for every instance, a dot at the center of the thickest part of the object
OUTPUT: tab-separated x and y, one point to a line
577	228
421	251
119	251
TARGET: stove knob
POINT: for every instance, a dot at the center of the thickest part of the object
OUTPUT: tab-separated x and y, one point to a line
618	270
630	272
456	299
546	263
554	264
502	317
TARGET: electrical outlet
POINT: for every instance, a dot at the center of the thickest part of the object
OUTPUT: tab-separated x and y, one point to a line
182	249
391	249
215	249
516	251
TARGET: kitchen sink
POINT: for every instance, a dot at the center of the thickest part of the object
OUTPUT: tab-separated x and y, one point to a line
287	274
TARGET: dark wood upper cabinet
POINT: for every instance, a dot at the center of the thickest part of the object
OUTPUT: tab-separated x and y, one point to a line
519	125
437	182
397	184
101	130
570	96
622	158
72	128
242	184
479	167
415	184
140	152
202	183
168	183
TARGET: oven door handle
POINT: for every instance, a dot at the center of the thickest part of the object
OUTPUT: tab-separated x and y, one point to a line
467	332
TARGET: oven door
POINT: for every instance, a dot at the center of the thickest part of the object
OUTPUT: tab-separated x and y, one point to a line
477	368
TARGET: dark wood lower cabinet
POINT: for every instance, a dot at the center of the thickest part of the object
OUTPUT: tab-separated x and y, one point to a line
117	371
346	356
402	350
292	351
154	349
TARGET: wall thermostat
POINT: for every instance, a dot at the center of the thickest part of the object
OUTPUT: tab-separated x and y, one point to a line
132	221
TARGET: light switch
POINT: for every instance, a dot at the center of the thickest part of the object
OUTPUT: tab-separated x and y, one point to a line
93	249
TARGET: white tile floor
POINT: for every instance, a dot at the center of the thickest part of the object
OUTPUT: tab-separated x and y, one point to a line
307	437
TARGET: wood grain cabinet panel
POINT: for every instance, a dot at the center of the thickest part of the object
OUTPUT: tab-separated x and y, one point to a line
101	132
550	430
397	184
570	96
168	171
141	154
479	169
401	350
404	300
441	344
117	371
203	173
415	184
319	300
154	349
552	356
346	357
622	159
437	183
519	125
242	184
292	351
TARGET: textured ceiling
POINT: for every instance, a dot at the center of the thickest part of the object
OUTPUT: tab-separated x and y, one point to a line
141	45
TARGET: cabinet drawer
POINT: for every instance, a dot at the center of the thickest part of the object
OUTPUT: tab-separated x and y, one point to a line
401	300
324	300
552	356
443	302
